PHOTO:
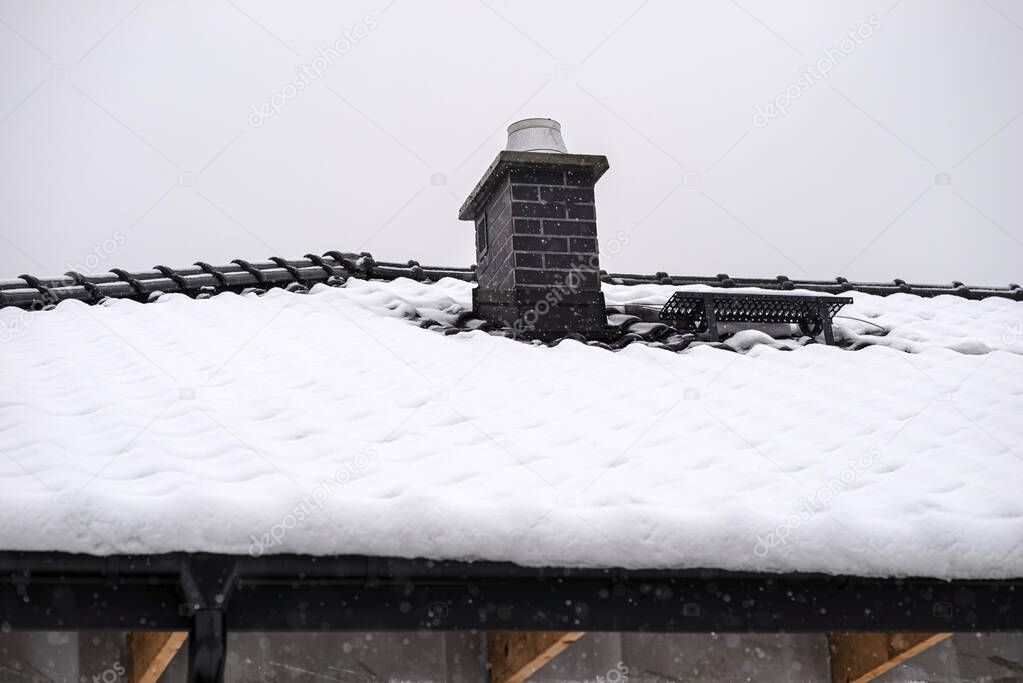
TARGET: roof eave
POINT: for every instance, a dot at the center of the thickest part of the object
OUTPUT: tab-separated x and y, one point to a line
338	593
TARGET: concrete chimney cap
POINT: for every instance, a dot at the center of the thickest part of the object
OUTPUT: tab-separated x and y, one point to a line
536	135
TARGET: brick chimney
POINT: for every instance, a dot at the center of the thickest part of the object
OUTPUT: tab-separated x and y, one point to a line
536	236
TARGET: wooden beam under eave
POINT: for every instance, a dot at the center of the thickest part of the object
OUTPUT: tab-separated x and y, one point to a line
151	653
517	655
862	657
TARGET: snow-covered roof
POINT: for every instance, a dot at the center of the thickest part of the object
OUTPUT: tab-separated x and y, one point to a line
332	423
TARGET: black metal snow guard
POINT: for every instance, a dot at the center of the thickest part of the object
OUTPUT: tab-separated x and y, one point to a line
333	267
700	312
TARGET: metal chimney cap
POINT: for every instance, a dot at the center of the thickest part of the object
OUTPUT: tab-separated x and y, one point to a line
534	123
536	135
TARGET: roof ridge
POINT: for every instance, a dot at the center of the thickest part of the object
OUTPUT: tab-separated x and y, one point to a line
335	267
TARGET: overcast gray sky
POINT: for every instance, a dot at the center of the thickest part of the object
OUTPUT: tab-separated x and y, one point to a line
128	132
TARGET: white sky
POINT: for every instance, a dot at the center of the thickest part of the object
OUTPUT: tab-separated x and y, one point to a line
107	107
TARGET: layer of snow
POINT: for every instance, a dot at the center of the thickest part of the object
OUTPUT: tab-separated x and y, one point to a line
327	423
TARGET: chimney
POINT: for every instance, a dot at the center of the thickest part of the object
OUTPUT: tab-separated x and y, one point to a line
536	236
